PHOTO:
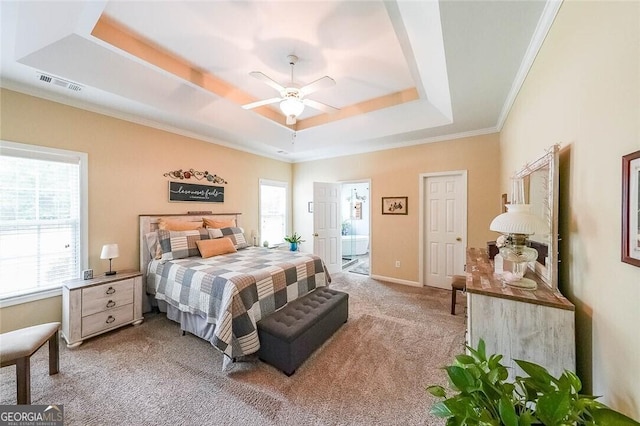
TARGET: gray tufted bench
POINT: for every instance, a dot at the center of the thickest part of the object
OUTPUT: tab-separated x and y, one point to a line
289	335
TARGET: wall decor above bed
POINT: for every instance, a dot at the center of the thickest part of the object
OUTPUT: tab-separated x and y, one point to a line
188	174
179	191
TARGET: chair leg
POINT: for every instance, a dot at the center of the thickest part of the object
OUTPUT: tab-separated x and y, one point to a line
453	301
54	354
23	380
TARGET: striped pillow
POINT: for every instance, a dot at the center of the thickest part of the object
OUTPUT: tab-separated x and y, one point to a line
180	244
236	235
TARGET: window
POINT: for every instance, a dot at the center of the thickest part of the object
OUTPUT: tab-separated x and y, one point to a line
43	219
273	211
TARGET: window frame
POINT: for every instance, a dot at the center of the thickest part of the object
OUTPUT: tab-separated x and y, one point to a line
16	149
277	183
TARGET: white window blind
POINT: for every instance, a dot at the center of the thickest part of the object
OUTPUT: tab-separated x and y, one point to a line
41	229
273	211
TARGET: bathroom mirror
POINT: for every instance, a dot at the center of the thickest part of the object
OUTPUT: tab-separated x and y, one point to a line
541	185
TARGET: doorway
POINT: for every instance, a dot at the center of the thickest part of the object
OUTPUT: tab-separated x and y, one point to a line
443	227
356	227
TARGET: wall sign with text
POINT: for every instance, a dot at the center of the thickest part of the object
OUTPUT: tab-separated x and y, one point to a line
179	191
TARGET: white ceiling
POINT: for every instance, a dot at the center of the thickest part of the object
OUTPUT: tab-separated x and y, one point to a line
463	61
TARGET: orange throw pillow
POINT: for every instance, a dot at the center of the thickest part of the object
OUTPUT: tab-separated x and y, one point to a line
210	248
178	225
217	224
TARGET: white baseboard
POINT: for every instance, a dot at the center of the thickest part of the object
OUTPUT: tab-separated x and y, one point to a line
396	281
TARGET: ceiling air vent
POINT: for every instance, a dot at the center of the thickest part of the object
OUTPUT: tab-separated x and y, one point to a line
60	82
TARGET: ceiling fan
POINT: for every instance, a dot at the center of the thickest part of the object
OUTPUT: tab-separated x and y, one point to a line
292	99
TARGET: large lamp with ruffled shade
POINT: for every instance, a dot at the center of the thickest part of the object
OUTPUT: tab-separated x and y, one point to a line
516	225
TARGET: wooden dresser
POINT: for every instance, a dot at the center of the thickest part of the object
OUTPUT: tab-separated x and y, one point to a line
95	306
536	326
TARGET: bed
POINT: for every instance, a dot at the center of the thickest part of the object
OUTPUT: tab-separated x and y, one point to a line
220	298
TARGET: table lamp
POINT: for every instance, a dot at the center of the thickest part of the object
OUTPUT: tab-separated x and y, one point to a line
516	225
109	251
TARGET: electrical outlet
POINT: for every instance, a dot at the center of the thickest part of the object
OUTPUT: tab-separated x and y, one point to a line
397	263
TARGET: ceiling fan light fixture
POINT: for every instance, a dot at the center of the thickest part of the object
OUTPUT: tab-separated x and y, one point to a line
291	97
291	107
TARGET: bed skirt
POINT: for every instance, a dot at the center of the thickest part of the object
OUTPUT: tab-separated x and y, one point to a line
190	323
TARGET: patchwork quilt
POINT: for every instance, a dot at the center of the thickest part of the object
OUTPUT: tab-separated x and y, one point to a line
235	290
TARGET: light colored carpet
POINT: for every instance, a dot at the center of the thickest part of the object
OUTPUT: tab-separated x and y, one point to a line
362	267
373	371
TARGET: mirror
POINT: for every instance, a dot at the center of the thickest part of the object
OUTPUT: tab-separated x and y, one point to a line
541	184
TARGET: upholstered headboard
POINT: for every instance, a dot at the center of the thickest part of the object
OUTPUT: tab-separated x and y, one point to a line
149	223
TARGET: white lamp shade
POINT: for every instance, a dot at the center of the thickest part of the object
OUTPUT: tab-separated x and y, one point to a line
518	220
291	106
109	251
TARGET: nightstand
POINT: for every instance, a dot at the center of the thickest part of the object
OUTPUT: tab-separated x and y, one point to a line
95	306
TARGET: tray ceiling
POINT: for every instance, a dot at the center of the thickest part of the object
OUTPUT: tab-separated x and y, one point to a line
406	72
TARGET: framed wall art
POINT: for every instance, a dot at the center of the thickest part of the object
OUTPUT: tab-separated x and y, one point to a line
179	191
394	205
631	208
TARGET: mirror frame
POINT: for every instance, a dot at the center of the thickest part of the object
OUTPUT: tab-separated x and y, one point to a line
548	273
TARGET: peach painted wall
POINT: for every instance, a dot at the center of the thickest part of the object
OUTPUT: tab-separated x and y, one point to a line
126	166
396	172
584	93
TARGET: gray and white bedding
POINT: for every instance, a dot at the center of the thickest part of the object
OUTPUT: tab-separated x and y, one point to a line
234	291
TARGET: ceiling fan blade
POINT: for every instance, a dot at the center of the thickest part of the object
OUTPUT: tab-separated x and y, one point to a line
319	105
267	80
257	104
320	83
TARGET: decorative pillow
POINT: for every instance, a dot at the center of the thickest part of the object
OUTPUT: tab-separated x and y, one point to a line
210	248
214	233
180	244
217	224
152	245
236	235
178	225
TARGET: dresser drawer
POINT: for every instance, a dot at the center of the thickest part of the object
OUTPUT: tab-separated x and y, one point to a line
102	321
107	296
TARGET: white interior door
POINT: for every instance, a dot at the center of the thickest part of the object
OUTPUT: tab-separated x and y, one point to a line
327	236
444	227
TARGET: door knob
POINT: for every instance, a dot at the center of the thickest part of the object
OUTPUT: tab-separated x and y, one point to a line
315	234
458	239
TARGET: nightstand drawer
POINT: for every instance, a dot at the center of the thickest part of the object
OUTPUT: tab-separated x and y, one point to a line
102	321
106	296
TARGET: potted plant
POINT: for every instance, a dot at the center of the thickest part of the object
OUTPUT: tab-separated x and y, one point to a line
293	241
484	397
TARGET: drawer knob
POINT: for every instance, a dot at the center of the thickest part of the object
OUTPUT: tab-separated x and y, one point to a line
111	290
110	319
111	304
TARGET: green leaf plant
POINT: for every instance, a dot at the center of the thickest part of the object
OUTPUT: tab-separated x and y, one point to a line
484	397
294	238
